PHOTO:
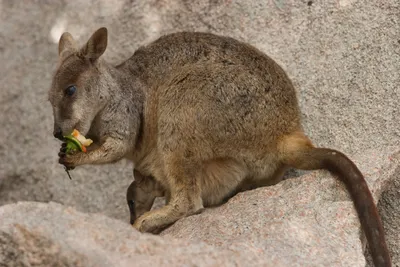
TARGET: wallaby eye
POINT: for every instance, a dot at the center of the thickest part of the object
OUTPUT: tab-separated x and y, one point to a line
70	90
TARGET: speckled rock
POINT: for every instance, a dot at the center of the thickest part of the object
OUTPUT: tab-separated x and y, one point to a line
39	234
309	220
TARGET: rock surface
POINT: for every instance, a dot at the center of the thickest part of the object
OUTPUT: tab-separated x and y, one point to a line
307	221
343	57
53	235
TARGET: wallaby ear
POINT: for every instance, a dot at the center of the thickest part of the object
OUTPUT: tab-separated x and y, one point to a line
96	45
66	42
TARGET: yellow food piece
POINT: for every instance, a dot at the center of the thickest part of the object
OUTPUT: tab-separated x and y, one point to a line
83	140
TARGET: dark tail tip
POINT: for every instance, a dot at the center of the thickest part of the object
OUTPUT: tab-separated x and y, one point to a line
340	165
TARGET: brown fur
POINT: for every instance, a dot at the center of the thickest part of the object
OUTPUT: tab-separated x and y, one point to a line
202	117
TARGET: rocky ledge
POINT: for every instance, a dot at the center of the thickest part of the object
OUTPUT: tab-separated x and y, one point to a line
304	221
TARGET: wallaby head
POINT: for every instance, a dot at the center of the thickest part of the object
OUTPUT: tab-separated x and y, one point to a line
79	89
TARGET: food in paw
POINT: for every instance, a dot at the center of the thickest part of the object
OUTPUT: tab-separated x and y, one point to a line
76	142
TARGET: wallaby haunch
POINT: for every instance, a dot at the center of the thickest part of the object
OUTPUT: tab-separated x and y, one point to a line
201	116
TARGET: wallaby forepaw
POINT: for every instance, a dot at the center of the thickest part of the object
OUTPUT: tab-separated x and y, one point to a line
69	160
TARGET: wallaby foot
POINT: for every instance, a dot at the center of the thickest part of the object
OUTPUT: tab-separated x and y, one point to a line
157	220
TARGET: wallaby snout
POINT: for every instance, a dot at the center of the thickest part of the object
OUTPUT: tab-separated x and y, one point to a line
58	133
64	125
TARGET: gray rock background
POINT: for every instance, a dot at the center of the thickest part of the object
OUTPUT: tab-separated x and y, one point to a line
342	55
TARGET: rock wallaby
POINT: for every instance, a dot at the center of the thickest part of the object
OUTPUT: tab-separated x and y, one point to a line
201	116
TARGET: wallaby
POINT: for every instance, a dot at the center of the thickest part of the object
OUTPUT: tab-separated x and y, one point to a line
205	116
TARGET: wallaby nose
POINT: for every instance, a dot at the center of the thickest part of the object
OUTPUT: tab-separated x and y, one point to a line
58	134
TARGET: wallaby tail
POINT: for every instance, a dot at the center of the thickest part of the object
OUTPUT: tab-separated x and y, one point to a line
298	152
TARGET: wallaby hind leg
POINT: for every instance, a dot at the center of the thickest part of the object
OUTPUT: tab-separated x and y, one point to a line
297	151
140	195
185	198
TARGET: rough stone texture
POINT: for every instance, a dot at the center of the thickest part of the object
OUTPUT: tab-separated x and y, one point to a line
54	235
308	221
389	207
25	248
342	55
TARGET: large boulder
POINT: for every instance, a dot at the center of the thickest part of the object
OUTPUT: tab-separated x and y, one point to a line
39	234
309	220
